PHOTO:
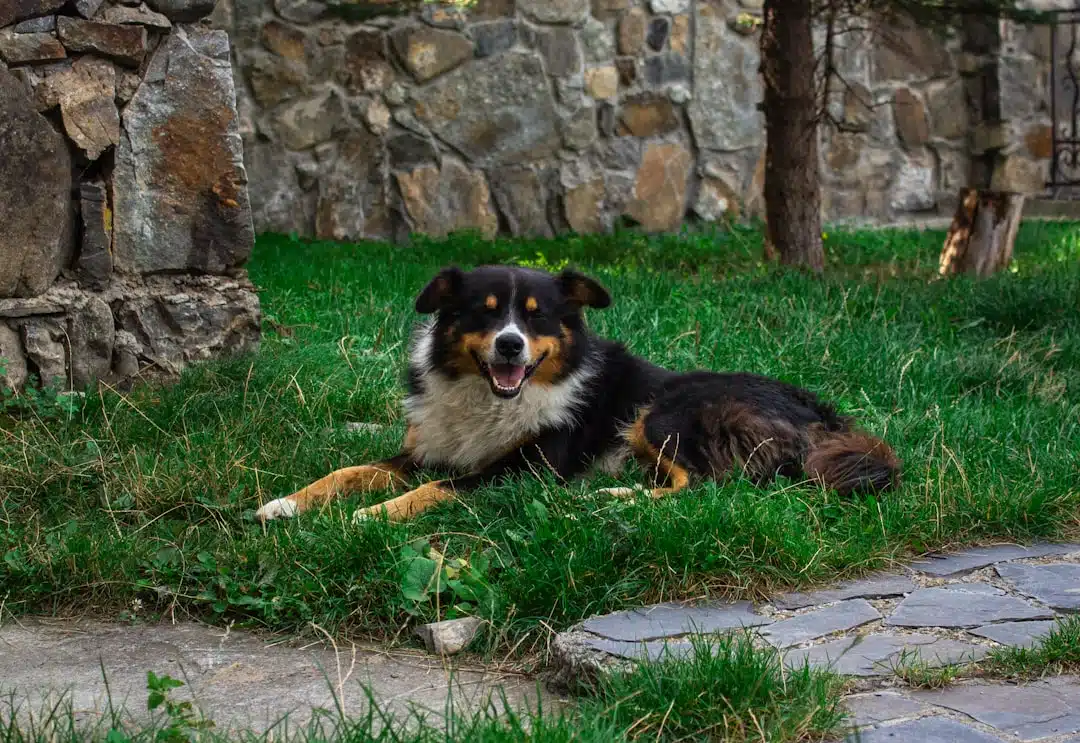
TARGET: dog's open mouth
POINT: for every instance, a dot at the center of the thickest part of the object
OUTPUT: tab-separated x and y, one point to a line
506	380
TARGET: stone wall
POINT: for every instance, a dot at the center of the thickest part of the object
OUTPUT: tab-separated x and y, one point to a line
531	117
124	215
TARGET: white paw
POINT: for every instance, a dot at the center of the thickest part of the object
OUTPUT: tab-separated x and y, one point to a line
282	508
366	515
621	492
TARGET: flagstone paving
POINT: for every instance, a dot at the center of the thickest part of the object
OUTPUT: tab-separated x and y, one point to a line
941	610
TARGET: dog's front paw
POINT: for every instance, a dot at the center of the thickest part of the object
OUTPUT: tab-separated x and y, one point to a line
282	508
621	492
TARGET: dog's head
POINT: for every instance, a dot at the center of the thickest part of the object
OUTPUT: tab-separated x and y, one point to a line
512	326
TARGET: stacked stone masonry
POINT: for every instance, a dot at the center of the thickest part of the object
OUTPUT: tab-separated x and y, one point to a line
944	610
534	117
124	214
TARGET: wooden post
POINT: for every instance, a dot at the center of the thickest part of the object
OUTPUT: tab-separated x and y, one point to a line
983	230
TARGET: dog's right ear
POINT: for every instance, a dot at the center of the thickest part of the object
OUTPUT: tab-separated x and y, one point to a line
441	291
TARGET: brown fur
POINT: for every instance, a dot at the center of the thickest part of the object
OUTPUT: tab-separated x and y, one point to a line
844	461
759	445
362	479
551	369
660	460
411	503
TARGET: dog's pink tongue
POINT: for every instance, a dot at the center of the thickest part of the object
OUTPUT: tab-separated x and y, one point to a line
508	375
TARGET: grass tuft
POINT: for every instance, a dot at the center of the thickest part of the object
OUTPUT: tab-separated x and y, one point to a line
1057	653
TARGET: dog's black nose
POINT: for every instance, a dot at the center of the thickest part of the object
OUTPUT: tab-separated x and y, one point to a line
509	345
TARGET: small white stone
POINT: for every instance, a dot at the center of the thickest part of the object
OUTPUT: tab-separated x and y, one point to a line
669	6
449	637
679	94
378	117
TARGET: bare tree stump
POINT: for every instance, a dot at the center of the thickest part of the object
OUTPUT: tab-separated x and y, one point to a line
983	230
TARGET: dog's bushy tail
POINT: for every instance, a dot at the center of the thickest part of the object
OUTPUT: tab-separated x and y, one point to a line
853	462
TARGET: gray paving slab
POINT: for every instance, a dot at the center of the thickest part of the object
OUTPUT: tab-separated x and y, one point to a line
958	563
878	654
1030	712
880	706
673	620
924	730
651	649
974	587
842	616
1056	585
235	677
884	585
1016	634
953	606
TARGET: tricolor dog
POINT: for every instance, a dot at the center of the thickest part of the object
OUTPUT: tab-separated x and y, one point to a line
504	377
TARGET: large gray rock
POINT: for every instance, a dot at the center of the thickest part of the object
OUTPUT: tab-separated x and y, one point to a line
23	48
90	332
429	52
35	195
36	25
440	201
95	248
12	11
555	11
180	187
139	15
87	95
352	202
12	358
43	339
727	90
954	607
126	44
1056	585
183	11
495	111
519	193
171	322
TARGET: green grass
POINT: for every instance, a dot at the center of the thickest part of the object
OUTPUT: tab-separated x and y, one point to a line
1056	654
139	504
725	691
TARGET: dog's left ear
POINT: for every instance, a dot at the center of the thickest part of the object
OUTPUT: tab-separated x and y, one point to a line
583	291
440	291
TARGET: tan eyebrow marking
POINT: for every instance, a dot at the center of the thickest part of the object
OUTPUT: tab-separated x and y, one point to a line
491	302
530	304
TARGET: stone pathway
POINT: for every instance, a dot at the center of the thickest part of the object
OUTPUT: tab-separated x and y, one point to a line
943	610
236	678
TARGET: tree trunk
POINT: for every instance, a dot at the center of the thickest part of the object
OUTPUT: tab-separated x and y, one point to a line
983	230
792	177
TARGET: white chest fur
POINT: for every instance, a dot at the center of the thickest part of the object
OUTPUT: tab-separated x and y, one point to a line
461	424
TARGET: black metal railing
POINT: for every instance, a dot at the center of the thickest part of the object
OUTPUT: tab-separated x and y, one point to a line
1064	100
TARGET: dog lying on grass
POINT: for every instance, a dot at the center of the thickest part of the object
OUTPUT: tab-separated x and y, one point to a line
504	377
